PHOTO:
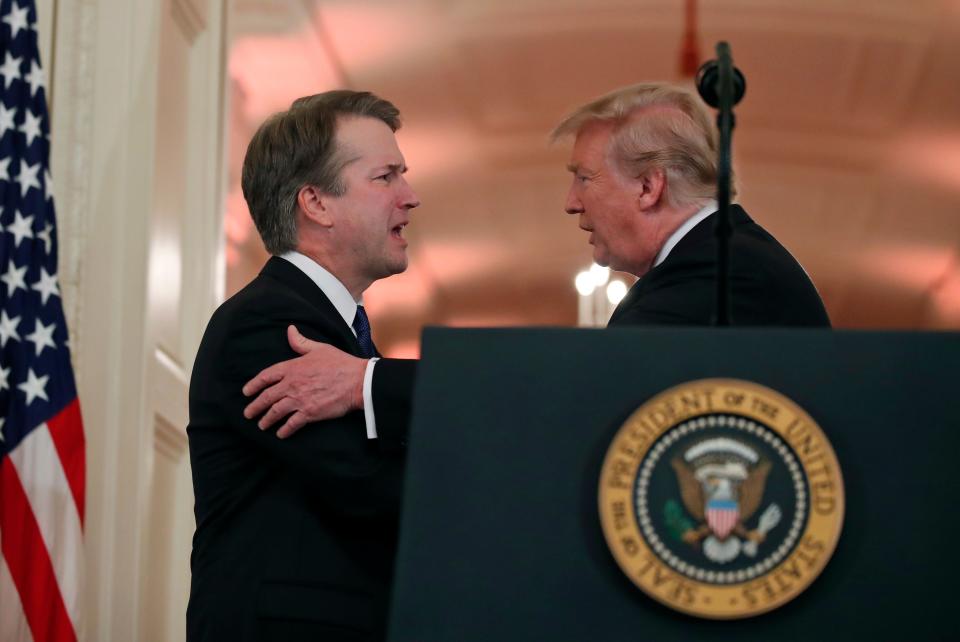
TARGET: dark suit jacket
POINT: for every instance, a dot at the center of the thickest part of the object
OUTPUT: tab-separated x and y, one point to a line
295	538
768	286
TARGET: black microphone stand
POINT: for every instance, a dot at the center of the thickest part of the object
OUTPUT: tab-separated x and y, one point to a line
726	98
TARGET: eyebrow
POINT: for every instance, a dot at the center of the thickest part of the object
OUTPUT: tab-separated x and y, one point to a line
576	168
393	167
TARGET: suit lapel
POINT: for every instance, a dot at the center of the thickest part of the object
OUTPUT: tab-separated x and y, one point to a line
626	302
294	278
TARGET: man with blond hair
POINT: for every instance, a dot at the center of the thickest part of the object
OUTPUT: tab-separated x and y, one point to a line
644	165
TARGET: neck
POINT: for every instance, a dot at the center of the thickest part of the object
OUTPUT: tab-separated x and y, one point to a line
668	220
356	284
674	217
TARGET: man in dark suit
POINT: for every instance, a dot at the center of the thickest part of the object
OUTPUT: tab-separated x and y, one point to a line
769	286
295	538
644	165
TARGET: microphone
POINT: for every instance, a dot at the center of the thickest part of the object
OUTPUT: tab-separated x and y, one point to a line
708	77
721	85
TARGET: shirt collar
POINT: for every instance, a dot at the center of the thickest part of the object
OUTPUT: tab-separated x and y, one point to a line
682	231
330	285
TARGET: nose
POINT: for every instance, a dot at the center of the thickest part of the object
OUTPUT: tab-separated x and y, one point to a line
573	204
408	198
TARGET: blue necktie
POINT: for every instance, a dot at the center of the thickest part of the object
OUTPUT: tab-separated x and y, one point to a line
362	327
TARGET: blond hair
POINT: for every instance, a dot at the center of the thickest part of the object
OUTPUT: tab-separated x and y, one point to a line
657	126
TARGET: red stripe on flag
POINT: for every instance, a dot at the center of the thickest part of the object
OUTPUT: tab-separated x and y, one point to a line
66	428
29	562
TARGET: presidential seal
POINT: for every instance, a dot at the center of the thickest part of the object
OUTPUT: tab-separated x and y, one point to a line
721	498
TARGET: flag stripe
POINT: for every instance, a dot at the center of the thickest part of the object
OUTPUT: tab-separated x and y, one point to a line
45	485
41	445
722	521
66	428
29	563
13	623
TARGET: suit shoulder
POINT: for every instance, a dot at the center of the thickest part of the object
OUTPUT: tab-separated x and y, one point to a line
777	277
257	315
264	300
262	294
755	248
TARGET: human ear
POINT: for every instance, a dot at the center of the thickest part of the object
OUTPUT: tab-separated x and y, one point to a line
651	185
314	205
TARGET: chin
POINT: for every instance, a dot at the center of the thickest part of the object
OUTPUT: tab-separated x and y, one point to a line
398	266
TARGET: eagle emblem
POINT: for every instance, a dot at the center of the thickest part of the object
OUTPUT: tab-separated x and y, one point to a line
706	511
721	484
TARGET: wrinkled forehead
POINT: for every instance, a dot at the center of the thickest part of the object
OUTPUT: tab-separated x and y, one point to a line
370	140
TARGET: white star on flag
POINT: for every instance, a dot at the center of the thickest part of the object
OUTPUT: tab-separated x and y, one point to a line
34	386
46	286
45	237
17	18
7	116
10	70
21	228
30	127
42	446
8	328
36	78
28	177
14	278
42	336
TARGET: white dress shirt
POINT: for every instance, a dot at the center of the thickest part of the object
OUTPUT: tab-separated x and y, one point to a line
682	231
346	305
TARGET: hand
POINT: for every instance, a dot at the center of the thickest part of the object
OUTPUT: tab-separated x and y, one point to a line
324	383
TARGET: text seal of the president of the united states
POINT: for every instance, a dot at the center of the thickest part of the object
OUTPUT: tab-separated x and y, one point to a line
721	498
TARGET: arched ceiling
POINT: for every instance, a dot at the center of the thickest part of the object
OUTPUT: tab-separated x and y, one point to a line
847	145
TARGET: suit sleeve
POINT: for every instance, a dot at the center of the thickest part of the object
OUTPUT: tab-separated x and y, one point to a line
336	462
393	385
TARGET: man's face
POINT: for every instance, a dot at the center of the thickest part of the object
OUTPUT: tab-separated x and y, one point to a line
608	204
374	209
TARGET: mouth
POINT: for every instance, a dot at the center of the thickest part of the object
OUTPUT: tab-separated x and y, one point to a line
397	230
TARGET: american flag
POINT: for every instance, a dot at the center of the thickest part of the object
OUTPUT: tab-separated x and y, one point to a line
41	435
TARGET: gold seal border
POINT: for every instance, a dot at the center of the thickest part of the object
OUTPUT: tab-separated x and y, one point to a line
794	426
